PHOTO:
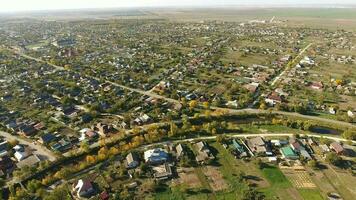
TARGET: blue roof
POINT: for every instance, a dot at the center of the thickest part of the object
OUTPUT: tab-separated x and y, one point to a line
48	137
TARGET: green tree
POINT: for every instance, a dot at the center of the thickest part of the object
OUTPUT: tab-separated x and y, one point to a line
84	146
333	159
252	194
60	193
313	164
349	134
33	186
173	129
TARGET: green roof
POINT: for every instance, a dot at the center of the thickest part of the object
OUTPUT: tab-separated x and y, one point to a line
288	152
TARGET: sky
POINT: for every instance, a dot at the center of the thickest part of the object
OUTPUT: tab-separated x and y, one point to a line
31	5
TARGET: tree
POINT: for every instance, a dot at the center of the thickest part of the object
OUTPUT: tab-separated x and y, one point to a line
33	185
64	173
113	151
313	164
263	106
252	194
59	193
84	146
206	105
103	153
173	129
221	138
193	104
2	182
90	159
324	140
333	159
349	134
186	124
20	194
13	143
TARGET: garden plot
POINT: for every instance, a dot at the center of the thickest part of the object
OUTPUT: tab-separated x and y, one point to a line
188	177
215	178
299	178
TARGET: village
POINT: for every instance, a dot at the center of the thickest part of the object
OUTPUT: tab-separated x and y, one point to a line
125	109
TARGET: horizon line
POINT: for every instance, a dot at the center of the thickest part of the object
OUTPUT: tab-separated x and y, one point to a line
231	6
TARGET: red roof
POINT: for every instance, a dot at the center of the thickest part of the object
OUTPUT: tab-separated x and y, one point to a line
90	133
274	96
337	147
104	195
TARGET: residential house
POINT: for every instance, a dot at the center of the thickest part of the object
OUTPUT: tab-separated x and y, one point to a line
26	130
305	154
142	119
204	152
162	172
279	142
240	150
83	188
337	147
6	165
30	161
252	87
4	145
39	126
274	98
317	85
21	152
103	129
69	111
47	138
288	153
64	42
258	146
324	148
62	145
332	111
350	113
132	160
156	156
88	134
295	145
104	195
180	150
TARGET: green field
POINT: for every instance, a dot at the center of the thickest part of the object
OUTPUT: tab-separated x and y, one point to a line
276	177
310	194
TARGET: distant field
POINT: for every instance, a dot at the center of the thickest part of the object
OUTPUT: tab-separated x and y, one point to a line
332	18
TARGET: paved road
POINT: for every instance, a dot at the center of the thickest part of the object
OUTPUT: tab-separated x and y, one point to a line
245	136
39	149
287	68
292	114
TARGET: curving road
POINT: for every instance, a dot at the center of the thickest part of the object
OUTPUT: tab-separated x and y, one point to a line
39	149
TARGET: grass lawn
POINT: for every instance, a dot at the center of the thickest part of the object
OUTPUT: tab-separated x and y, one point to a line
280	187
175	193
310	194
276	177
230	168
269	129
229	171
